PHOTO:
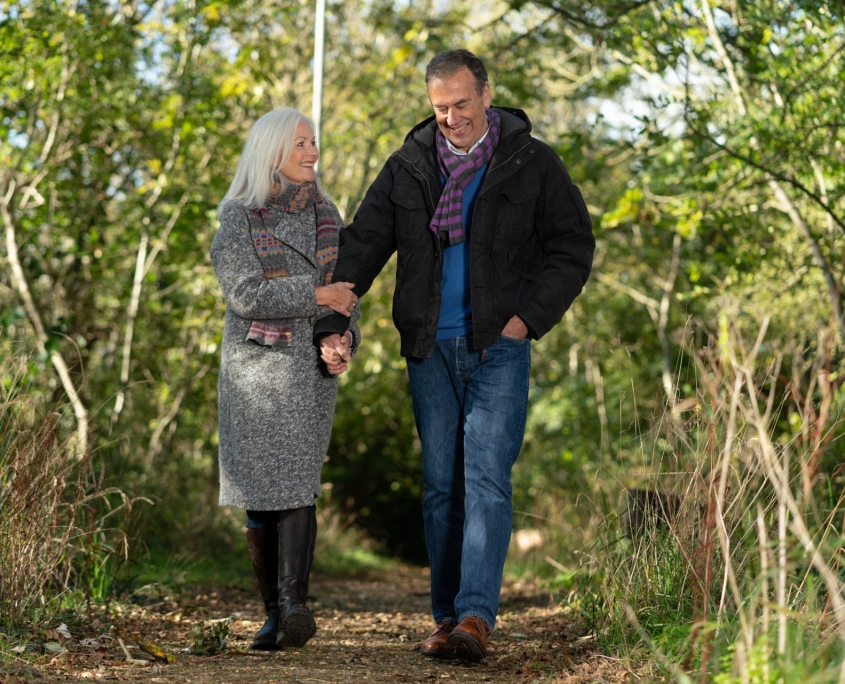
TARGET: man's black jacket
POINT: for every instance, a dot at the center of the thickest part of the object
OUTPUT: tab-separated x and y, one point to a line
531	239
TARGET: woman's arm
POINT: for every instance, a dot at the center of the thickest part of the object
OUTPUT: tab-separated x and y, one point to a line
244	287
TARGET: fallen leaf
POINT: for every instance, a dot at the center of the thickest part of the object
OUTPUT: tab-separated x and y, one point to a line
156	651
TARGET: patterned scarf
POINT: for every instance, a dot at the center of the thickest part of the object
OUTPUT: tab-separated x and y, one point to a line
459	170
271	252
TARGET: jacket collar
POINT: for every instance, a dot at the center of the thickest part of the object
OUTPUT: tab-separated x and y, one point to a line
419	146
513	121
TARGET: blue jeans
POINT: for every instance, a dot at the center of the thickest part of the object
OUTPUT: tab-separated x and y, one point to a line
470	407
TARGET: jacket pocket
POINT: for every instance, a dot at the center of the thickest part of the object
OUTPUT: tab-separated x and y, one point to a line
410	213
407	196
516	212
526	267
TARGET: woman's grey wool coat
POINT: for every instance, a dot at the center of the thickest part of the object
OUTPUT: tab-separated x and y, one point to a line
275	405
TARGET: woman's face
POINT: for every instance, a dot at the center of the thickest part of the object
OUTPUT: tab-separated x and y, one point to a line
299	168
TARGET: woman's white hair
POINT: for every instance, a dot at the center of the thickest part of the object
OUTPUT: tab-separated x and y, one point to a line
268	146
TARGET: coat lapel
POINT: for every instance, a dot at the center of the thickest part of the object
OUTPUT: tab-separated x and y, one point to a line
289	230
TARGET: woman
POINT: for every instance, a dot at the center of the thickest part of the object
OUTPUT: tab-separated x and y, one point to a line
274	255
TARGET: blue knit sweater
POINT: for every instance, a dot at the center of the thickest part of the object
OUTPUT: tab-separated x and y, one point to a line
455	304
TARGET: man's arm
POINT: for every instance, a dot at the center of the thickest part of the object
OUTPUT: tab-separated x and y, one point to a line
365	246
565	230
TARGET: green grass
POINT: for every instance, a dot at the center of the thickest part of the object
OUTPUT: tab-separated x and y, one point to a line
340	550
343	549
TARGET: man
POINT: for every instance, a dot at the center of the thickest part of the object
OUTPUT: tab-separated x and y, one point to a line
493	244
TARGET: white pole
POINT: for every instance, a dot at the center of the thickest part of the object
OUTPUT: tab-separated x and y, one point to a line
317	96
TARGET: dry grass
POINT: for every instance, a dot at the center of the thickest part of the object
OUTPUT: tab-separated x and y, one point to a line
55	535
727	564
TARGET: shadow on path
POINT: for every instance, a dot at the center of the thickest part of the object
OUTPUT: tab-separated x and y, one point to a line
369	630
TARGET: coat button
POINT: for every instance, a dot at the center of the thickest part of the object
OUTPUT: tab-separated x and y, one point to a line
518	161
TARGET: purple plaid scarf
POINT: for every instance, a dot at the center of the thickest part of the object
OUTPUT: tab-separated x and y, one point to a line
459	170
271	252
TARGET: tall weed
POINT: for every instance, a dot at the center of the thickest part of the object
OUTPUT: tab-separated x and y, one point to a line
727	561
58	537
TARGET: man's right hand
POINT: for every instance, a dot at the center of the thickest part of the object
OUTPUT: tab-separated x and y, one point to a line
515	329
338	297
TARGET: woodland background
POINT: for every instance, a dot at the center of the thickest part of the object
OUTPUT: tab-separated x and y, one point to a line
704	359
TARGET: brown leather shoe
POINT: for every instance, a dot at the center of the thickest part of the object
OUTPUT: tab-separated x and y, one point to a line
437	645
469	639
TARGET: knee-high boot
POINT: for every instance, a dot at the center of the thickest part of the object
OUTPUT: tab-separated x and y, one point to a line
297	534
264	553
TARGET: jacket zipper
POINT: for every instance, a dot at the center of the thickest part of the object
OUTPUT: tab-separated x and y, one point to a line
480	193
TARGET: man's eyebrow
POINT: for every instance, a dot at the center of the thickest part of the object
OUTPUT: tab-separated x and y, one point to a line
459	102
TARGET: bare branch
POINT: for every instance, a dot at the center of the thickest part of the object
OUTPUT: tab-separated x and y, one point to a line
833	287
34	315
777	175
723	56
663	321
652	305
620	11
60	96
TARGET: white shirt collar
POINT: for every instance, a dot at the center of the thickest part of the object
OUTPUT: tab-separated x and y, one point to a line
476	144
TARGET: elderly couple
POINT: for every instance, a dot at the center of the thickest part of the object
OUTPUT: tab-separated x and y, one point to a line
493	242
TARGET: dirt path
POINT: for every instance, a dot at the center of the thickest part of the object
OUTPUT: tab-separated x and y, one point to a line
369	630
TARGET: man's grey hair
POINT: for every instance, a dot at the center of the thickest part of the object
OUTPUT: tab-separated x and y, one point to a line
448	63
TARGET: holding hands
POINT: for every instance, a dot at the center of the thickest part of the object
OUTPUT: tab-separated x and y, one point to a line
338	296
336	350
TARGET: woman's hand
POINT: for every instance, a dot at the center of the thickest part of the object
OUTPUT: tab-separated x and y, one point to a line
335	350
338	297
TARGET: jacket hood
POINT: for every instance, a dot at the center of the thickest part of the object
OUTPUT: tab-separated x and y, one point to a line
513	121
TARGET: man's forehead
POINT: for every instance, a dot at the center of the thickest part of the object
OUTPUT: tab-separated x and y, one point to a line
452	90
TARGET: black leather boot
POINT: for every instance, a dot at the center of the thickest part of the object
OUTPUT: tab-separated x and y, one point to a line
297	533
264	553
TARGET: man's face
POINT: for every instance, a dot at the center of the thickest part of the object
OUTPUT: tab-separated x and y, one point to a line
459	108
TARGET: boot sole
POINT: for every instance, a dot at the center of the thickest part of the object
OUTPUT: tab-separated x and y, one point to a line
265	639
466	647
268	644
439	653
297	628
